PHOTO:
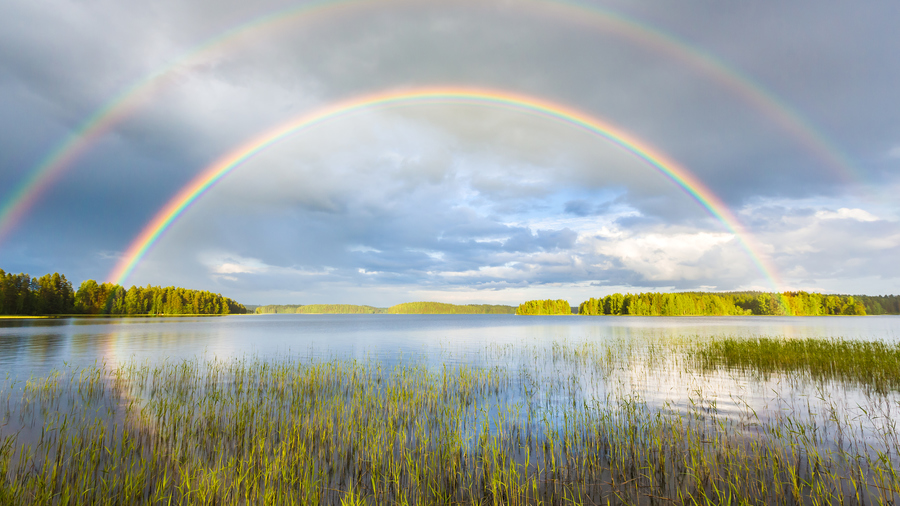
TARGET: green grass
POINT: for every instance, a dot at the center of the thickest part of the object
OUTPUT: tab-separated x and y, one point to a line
870	364
290	431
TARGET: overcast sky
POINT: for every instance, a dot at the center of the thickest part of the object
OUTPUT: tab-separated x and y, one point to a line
455	202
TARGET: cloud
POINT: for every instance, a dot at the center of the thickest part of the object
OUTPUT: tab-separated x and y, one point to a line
849	243
454	198
670	257
846	214
233	264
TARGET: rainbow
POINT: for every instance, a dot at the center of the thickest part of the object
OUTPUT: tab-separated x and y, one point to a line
40	177
482	97
104	119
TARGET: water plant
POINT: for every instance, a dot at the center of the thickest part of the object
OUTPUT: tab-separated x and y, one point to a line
871	364
539	425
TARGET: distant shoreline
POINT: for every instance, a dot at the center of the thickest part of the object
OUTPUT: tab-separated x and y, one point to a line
52	316
422	307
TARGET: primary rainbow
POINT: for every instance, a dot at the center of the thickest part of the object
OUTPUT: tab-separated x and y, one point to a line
25	194
485	97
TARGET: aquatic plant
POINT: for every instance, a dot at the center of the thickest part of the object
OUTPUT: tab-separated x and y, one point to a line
547	428
870	364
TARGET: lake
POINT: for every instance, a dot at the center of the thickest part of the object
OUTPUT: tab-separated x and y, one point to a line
36	347
622	408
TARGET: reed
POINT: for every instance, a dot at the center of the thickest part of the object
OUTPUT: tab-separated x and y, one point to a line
870	364
546	428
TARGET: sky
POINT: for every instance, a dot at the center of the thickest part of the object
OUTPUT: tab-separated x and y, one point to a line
785	114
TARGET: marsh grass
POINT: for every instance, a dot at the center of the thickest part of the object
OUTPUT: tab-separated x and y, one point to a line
869	364
292	431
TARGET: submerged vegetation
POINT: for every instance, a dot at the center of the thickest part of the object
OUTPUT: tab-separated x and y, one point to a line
560	425
52	294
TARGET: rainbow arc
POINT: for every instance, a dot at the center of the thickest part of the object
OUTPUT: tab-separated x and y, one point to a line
25	194
212	174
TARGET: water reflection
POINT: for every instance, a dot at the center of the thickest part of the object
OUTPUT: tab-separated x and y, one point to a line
606	372
42	350
33	322
455	338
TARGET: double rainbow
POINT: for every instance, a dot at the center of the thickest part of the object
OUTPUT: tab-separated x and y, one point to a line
481	97
23	196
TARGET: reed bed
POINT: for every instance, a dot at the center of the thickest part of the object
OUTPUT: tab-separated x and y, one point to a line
868	364
537	430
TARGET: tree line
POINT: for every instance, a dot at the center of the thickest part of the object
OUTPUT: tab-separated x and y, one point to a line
404	308
52	294
318	309
728	303
720	304
800	304
544	307
661	304
444	308
20	294
880	304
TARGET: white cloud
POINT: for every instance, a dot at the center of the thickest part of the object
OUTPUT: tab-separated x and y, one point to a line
363	249
846	214
664	256
232	264
883	242
815	243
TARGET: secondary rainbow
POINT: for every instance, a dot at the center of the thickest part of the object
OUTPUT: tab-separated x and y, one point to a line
40	177
212	174
102	120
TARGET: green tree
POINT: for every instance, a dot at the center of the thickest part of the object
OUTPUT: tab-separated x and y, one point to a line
544	307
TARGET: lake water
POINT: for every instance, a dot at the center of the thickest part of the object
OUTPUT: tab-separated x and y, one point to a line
634	372
35	347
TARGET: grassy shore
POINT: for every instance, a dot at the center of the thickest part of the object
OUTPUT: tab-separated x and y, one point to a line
547	429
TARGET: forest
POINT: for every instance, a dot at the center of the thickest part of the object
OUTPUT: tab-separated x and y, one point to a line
738	303
52	294
548	306
721	304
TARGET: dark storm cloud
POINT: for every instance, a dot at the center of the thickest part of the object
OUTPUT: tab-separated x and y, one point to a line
454	196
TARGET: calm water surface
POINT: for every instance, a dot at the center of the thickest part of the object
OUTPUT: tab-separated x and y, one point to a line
35	347
521	344
550	372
